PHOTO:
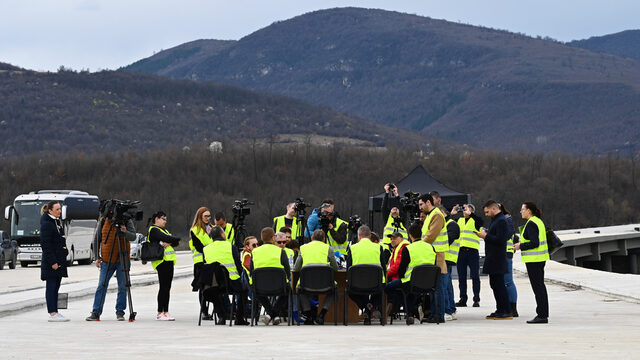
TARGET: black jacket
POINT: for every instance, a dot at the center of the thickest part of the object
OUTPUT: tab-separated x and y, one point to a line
495	246
54	248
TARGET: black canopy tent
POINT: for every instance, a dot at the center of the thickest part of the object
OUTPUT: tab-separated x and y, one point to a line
419	180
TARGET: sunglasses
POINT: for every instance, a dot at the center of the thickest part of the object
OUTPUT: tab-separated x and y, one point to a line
281	242
207	216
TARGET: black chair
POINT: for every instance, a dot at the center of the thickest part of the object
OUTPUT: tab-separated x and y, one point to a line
424	280
270	281
319	279
207	292
365	279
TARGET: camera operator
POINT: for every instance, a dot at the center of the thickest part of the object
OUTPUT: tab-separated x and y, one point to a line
470	224
109	262
288	220
394	225
391	200
326	220
221	221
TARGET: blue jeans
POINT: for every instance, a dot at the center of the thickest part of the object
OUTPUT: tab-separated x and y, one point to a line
469	258
508	282
121	301
441	296
451	302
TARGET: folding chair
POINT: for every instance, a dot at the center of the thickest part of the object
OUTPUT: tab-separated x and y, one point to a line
424	280
365	279
270	281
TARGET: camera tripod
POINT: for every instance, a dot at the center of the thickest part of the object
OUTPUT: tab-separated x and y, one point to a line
125	263
240	230
302	227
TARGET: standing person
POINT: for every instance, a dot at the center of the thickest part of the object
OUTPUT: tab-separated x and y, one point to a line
164	267
495	263
289	220
334	227
434	232
391	200
451	258
394	225
54	257
508	276
199	238
470	224
109	262
229	232
269	255
535	253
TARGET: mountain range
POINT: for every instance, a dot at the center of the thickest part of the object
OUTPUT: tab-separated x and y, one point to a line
467	84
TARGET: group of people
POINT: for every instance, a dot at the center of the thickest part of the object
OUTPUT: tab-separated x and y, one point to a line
437	238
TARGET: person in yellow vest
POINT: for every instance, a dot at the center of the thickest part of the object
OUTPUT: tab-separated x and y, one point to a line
451	258
229	232
158	233
434	232
289	220
417	253
314	253
291	244
281	242
366	252
199	234
394	224
393	287
468	256
336	229
269	255
227	255
535	253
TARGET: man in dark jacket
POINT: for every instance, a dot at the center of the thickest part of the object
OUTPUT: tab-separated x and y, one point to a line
495	263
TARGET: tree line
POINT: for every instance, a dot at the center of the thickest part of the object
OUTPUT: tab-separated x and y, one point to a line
573	192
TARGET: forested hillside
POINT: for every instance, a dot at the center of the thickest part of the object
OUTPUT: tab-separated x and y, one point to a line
112	111
484	87
624	44
572	192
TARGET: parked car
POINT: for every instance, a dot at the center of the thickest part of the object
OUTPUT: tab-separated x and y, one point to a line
136	246
8	251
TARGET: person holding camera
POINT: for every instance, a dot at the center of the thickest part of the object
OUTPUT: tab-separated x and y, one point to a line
289	220
390	200
159	234
229	232
115	245
470	224
325	219
394	225
53	266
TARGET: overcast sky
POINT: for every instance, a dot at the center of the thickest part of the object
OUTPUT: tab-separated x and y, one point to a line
108	34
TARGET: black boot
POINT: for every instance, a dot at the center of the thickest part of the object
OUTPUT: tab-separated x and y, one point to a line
320	319
514	311
309	317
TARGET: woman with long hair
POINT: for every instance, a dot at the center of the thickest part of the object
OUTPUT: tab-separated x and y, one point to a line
535	253
53	266
199	234
158	233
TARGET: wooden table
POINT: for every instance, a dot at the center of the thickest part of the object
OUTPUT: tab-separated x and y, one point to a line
353	316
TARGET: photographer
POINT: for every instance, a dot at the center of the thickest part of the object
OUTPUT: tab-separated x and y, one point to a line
325	219
111	237
391	200
470	224
394	225
288	220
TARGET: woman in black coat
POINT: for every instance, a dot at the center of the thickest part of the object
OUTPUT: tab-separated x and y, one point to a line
54	256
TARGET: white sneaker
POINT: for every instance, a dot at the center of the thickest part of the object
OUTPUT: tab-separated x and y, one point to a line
169	317
277	321
454	316
161	317
420	313
58	318
266	320
450	317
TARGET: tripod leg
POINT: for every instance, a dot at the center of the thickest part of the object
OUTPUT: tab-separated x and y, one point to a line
126	263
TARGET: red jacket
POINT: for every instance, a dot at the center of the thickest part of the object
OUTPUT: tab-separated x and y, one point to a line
392	270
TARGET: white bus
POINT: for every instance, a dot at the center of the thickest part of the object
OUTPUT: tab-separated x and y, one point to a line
80	213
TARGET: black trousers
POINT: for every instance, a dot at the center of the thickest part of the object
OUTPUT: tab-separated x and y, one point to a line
165	277
221	304
273	311
500	293
51	293
468	257
535	270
